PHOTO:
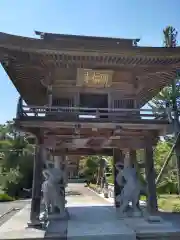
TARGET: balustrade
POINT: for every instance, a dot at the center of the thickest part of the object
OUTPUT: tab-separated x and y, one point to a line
90	114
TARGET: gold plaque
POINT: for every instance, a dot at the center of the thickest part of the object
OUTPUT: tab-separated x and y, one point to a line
94	78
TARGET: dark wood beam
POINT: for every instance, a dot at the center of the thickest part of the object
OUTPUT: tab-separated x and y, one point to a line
44	122
84	151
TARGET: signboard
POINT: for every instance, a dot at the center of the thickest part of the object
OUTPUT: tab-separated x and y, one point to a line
94	78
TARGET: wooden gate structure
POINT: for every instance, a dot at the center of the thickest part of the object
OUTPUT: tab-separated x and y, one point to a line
52	72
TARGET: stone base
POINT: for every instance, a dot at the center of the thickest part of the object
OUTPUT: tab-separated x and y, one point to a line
57	225
153	227
107	230
34	224
130	213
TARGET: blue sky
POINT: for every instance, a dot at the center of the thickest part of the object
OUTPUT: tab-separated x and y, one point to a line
115	18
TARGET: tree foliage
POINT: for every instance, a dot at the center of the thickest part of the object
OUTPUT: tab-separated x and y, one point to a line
168	183
170	36
16	165
89	167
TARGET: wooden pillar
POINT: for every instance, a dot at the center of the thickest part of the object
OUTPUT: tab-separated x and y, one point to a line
37	182
150	178
77	168
50	95
118	157
132	156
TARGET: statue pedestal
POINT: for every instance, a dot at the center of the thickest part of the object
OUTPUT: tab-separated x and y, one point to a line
152	227
148	226
58	224
35	223
130	213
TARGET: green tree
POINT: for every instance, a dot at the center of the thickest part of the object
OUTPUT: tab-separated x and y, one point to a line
89	167
168	183
170	36
16	165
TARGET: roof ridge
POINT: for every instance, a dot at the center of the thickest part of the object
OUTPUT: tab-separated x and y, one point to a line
90	37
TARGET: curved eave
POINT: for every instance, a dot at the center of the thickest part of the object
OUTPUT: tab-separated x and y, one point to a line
39	45
30	88
160	80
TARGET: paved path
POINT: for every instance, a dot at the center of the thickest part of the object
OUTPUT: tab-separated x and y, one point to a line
5	207
91	217
80	195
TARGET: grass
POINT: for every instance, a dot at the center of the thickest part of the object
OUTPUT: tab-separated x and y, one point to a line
169	203
110	179
5	198
166	202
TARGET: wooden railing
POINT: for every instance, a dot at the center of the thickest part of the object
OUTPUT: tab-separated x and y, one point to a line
89	114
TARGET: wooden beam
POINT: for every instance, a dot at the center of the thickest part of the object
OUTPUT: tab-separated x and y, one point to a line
84	152
31	124
133	157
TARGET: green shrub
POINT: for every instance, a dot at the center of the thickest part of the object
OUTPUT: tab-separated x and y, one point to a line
5	198
176	208
162	203
110	179
15	179
167	187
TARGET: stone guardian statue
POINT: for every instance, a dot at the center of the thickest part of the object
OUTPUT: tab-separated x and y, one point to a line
130	192
53	195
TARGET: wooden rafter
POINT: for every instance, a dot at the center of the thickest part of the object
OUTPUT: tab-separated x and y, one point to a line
27	60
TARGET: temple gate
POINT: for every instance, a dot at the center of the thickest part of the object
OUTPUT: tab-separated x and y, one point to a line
86	94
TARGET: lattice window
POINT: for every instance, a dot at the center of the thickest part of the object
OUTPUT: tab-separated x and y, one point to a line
63	102
125	103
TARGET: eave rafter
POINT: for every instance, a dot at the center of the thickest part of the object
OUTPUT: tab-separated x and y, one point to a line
37	59
159	79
